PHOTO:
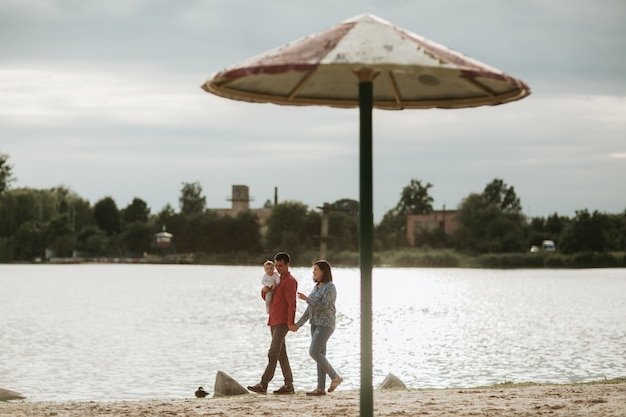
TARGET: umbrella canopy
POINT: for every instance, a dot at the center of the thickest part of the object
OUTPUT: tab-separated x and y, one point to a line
366	62
411	72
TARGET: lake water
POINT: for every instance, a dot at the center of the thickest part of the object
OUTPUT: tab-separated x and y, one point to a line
117	332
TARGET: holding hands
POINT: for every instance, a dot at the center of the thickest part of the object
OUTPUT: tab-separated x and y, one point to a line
294	327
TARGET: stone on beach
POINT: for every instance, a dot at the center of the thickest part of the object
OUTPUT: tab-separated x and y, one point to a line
225	386
392	382
8	395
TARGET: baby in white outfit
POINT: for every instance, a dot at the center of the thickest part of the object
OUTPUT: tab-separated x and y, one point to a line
271	279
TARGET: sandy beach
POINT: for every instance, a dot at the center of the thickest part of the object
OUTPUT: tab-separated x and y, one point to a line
602	400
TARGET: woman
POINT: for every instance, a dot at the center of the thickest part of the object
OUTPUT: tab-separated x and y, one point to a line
321	312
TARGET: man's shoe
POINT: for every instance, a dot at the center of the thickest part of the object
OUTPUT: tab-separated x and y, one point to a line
316	392
258	388
285	389
334	383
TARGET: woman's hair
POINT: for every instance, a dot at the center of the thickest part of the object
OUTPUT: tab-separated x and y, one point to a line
325	267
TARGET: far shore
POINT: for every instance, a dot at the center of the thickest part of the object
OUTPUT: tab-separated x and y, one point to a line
400	258
602	399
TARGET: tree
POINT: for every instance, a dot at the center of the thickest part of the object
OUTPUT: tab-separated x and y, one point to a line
586	233
137	211
391	231
107	216
78	209
474	217
91	241
20	205
497	192
197	232
346	205
136	238
242	233
343	222
164	218
45	218
60	235
6	175
29	241
415	199
617	232
191	199
555	225
287	226
491	221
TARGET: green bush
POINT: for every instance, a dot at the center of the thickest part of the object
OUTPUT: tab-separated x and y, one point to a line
556	261
344	258
421	258
511	260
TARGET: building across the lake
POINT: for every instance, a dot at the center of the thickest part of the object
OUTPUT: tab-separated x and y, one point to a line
240	201
436	219
444	220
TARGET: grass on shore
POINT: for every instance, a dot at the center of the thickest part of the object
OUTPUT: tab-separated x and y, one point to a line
509	384
448	258
431	258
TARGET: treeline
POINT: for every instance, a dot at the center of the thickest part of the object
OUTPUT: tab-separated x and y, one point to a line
61	222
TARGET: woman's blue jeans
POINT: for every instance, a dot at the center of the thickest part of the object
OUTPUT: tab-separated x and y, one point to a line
317	350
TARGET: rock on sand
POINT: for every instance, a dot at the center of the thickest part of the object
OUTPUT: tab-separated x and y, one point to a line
226	385
8	395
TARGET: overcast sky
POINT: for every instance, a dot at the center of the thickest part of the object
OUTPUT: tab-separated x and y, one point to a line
104	97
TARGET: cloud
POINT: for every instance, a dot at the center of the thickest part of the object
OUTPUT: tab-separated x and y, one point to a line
104	97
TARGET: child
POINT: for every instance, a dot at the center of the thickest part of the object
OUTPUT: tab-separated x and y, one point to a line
271	279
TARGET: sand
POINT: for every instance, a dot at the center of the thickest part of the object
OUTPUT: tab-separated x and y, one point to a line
602	400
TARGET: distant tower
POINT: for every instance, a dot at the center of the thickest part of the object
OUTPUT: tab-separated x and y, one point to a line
240	198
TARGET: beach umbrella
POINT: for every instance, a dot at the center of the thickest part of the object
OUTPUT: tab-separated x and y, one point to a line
366	62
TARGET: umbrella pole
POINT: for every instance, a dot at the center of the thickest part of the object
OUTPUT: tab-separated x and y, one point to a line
366	237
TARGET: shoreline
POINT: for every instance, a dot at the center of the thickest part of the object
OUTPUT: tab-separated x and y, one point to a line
594	399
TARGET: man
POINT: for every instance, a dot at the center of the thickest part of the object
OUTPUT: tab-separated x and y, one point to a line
282	315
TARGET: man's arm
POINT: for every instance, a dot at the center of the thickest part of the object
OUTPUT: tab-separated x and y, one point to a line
291	295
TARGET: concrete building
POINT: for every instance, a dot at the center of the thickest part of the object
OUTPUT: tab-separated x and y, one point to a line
240	201
418	223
